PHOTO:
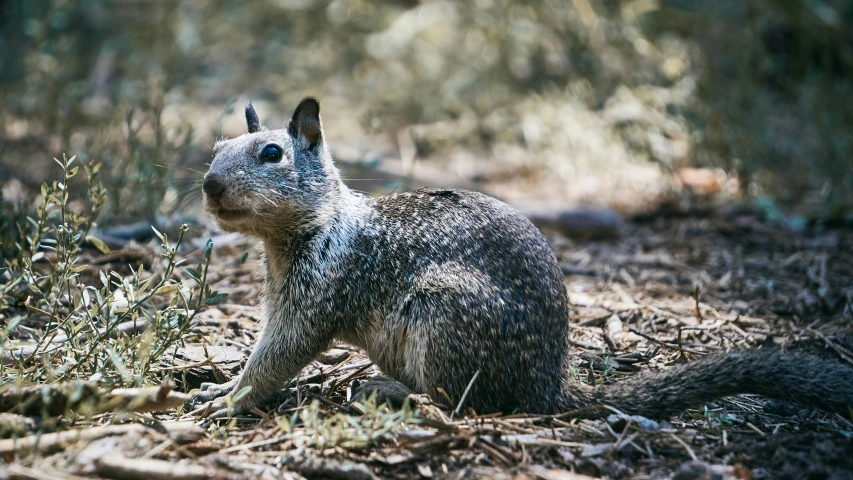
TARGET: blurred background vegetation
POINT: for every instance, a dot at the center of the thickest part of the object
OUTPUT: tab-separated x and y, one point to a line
543	94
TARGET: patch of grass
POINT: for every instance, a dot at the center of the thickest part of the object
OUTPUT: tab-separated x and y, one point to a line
312	426
377	425
716	421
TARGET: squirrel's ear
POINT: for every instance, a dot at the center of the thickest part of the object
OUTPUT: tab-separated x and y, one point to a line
252	119
306	122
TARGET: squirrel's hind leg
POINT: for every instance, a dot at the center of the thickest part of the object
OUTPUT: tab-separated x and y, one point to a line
387	390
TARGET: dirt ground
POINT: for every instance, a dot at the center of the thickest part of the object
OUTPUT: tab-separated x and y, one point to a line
667	289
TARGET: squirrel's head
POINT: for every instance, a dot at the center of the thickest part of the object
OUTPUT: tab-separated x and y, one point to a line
270	181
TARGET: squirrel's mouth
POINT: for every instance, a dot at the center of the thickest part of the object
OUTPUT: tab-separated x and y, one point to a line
229	214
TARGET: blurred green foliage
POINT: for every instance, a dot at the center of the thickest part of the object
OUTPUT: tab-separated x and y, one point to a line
756	87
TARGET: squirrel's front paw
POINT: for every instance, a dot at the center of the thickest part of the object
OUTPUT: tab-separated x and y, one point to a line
212	391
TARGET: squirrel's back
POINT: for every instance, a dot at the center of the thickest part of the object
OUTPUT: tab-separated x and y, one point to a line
461	284
432	226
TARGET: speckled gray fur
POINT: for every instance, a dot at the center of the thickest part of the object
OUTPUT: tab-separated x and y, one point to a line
435	285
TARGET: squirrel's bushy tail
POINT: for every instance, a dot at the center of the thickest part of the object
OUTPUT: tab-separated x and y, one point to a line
783	376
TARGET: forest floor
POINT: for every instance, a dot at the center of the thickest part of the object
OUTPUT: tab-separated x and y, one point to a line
668	289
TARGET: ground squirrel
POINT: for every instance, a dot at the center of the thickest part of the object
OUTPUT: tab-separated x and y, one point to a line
437	285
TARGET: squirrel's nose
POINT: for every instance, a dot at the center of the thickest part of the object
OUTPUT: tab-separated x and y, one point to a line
213	186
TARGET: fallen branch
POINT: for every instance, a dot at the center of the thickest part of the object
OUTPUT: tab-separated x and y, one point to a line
142	400
20	472
582	224
113	466
179	432
330	468
57	399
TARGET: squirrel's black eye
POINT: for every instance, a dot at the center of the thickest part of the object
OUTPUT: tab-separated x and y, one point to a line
271	154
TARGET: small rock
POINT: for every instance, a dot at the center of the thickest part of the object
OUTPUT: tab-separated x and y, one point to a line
618	422
596	450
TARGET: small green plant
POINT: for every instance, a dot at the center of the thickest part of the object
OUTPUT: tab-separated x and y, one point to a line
377	425
607	370
66	320
716	421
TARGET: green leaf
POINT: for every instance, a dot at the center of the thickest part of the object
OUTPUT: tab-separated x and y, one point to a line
242	393
14	323
159	235
216	299
98	243
167	290
192	273
119	364
77	393
144	285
